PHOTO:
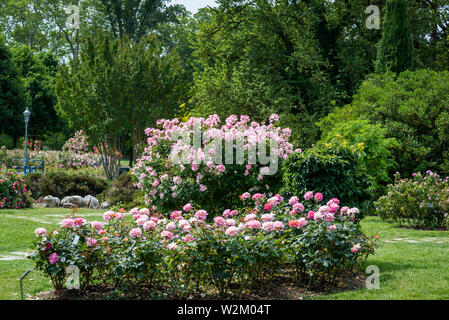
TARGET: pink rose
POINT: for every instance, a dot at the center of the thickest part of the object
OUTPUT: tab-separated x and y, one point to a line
53	258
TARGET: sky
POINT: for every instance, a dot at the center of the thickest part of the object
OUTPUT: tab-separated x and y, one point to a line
194	5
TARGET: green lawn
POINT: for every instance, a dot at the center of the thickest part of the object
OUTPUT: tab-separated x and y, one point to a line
418	269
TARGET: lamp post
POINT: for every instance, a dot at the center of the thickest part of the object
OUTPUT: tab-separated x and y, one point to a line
26	115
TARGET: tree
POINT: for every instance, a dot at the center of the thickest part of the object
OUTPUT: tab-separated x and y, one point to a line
116	89
38	82
396	47
12	97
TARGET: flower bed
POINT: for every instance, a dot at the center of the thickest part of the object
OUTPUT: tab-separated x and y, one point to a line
13	191
190	251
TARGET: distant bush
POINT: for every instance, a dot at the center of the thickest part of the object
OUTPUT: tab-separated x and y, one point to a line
60	184
13	191
335	168
414	108
122	191
422	201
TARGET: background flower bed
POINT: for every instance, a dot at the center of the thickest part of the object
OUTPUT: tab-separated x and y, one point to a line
13	190
240	250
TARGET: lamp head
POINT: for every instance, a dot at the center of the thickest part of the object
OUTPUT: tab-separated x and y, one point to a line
26	115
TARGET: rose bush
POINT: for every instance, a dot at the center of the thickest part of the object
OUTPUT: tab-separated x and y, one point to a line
174	170
422	201
237	251
14	193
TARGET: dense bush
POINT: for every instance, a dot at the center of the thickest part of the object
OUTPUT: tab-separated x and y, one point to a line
422	201
61	184
377	156
414	108
208	172
123	192
335	168
188	252
13	190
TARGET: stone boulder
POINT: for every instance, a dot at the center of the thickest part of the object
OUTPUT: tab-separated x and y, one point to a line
51	202
105	205
91	202
76	200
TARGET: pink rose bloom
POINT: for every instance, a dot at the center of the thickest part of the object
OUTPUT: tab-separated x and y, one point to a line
298	207
308	195
268	226
183	222
293	212
230	222
136	216
344	209
311	214
171	226
332	227
119	215
188	238
267	217
333	207
356	248
278	225
91	242
149	225
195	166
317	216
134	211
68	223
40	232
334	200
155	183
97	225
330	217
166	234
250	216
252	224
302	223
144	211
226	213
172	246
219	222
231	231
108	215
201	215
203	188
293	200
135	232
318	197
80	221
141	220
187	207
187	228
267	206
53	258
221	168
258	196
245	196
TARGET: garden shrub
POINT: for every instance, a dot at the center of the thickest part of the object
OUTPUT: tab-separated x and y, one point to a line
32	181
61	184
172	170
413	107
236	252
122	191
13	190
377	156
335	168
422	201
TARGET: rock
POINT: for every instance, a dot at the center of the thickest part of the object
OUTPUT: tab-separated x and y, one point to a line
105	205
91	202
68	205
51	202
77	200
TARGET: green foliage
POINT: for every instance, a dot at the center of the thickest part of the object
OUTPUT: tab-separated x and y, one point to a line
414	109
61	184
422	201
336	169
377	156
12	95
396	47
122	191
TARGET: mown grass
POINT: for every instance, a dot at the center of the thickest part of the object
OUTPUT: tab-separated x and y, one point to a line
415	270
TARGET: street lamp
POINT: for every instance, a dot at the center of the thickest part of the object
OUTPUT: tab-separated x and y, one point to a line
26	115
